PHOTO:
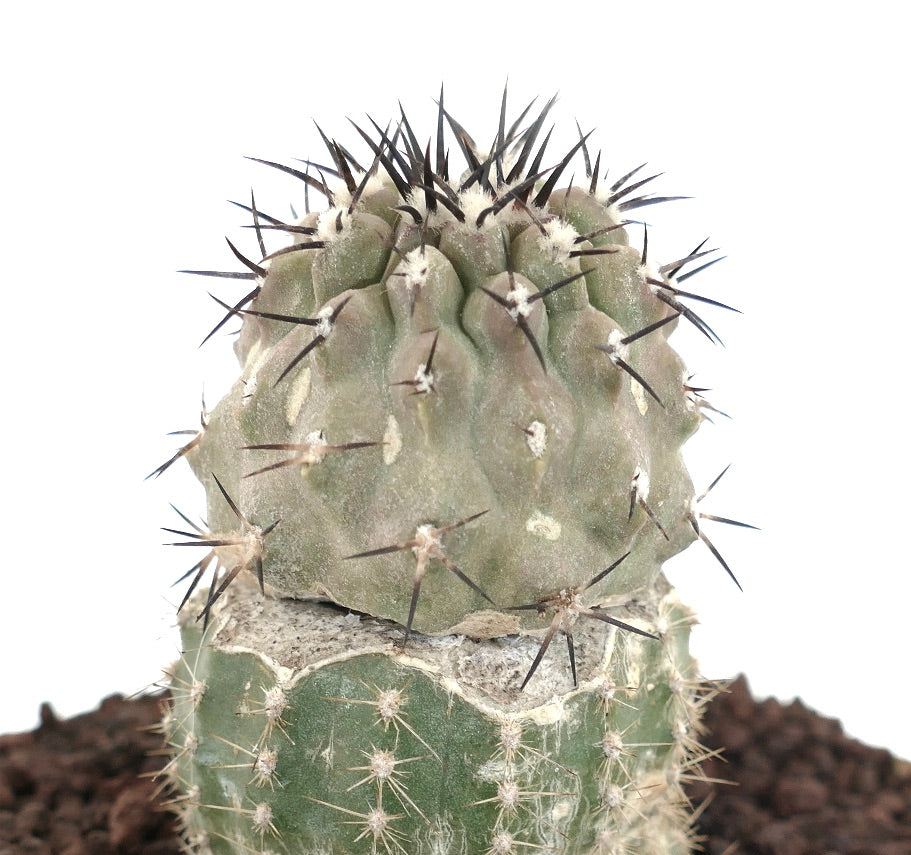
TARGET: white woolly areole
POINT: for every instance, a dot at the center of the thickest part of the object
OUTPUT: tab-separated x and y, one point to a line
275	702
543	526
536	438
389	704
197	692
262	817
473	201
502	843
242	550
413	270
675	682
510	737
342	196
423	379
640	483
326	324
680	730
264	766
613	797
316	439
392	441
190	744
647	272
612	745
382	764
518	297
329	223
559	239
427	538
376	822
615	347
508	795
603	192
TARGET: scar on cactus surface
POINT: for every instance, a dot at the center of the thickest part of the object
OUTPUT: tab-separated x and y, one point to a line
456	434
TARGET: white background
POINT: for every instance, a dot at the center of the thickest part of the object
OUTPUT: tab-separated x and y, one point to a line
126	130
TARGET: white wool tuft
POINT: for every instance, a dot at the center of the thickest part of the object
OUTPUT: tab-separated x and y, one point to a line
325	325
615	347
316	437
519	296
473	201
423	379
413	270
640	483
559	239
602	194
332	223
342	196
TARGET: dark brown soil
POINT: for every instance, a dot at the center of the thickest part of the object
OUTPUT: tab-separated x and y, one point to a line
801	787
84	786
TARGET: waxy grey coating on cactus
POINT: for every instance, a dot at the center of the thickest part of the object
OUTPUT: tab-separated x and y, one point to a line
459	419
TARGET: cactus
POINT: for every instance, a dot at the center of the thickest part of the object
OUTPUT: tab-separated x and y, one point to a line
455	439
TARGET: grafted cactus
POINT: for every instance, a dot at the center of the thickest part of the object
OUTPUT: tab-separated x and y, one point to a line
455	438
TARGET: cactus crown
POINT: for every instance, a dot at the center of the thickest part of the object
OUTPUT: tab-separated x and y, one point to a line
457	392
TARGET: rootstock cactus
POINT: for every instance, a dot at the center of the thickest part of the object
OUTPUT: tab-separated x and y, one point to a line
455	438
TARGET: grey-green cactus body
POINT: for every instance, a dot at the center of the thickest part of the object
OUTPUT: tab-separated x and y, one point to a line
458	412
549	450
302	728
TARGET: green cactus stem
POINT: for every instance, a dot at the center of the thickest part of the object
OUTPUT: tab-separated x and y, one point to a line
301	727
